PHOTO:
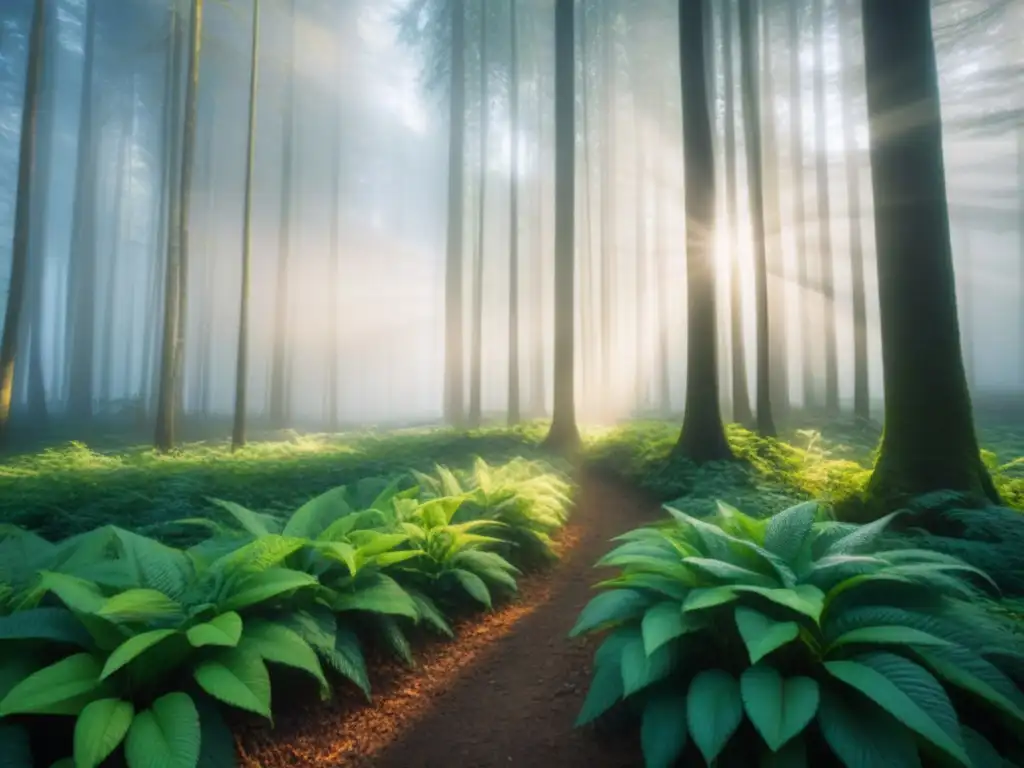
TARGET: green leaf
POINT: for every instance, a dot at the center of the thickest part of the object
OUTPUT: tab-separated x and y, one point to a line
640	670
863	736
381	595
788	530
882	635
278	644
238	678
969	671
804	598
665	622
909	693
708	597
77	594
714	710
762	634
252	522
266	585
15	746
59	689
614	606
779	708
473	584
167	735
726	571
100	729
217	743
140	605
861	537
224	630
313	517
346	657
58	625
663	729
340	551
605	690
981	751
132	648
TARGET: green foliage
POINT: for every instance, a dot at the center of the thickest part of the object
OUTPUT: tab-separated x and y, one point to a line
795	640
138	642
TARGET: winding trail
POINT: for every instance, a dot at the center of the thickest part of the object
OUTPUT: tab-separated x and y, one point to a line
505	692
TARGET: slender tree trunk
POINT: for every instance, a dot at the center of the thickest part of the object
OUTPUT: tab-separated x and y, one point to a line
849	85
741	412
749	11
661	290
514	414
477	343
537	394
242	355
609	204
799	205
588	349
642	310
174	342
828	293
81	319
966	295
928	441
334	271
564	434
22	213
279	369
454	371
114	262
778	290
702	437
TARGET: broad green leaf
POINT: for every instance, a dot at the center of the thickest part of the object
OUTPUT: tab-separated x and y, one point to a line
253	523
340	551
224	630
981	751
77	594
663	729
473	584
804	598
714	710
15	746
238	678
140	605
779	708
346	657
217	743
787	530
381	595
665	622
909	693
278	644
605	691
58	625
313	517
640	670
966	669
863	736
614	606
862	537
167	735
762	634
721	569
883	635
708	597
62	688
132	648
266	585
100	729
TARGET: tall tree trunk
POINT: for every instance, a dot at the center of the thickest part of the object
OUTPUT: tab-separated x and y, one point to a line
114	261
588	349
564	434
513	217
477	341
454	371
334	270
661	290
642	309
966	296
609	205
741	412
928	442
799	205
242	355
749	12
279	368
702	437
778	291
828	293
81	318
174	342
22	213
537	394
849	84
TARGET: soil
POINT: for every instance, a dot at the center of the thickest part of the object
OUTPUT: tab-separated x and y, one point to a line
505	692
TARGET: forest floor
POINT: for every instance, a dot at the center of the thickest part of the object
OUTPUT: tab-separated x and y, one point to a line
505	692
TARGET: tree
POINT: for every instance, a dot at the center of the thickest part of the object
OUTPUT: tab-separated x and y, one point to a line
177	256
242	358
477	339
513	218
755	187
928	442
564	434
454	376
22	214
702	437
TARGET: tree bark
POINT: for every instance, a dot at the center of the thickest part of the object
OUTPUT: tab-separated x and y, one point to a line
477	340
702	437
334	270
929	441
514	414
564	434
609	204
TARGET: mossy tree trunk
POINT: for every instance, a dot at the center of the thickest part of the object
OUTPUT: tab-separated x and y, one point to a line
564	434
928	441
703	436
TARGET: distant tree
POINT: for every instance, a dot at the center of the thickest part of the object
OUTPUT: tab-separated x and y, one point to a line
564	434
703	437
928	441
22	213
477	340
242	357
749	12
514	408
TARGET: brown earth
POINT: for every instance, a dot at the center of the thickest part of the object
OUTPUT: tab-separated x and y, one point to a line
505	692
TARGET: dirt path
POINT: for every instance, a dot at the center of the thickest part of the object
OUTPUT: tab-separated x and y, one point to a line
504	693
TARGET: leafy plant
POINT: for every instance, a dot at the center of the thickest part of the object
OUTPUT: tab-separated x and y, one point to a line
793	640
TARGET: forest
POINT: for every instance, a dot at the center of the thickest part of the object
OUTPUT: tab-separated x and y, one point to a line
478	383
